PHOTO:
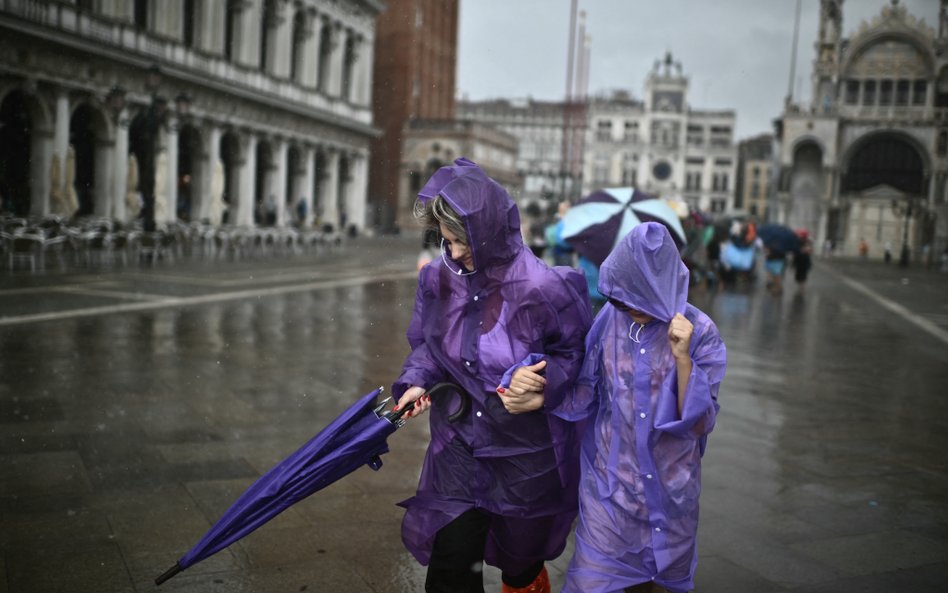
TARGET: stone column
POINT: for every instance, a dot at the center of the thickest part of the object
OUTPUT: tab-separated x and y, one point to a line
120	166
243	216
283	40
171	150
357	191
308	56
366	59
247	34
210	33
313	53
210	152
277	181
336	60
330	188
61	137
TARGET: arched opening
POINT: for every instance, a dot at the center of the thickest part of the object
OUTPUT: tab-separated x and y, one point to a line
267	35
16	130
143	134
348	64
189	182
325	54
87	138
231	24
264	199
342	195
187	34
806	187
885	159
230	158
319	178
295	204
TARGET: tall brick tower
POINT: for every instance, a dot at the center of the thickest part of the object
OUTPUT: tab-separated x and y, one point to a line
413	78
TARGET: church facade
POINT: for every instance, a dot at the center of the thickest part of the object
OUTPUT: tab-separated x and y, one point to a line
867	159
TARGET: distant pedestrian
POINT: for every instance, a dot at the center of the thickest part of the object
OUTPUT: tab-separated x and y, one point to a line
888	252
648	388
775	263
802	262
863	249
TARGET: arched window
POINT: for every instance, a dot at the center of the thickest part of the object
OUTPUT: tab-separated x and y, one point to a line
299	41
325	53
887	160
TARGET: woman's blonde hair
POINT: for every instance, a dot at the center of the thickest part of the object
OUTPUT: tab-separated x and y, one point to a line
436	212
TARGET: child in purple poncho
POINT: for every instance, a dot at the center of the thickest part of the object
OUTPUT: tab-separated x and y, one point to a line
499	485
649	384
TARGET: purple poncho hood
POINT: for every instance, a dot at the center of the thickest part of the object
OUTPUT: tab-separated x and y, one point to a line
490	217
645	272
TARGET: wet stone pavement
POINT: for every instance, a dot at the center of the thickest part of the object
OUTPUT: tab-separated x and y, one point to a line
137	403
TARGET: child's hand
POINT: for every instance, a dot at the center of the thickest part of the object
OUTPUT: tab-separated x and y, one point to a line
679	337
527	379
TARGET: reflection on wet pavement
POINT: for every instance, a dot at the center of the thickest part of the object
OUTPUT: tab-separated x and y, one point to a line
127	433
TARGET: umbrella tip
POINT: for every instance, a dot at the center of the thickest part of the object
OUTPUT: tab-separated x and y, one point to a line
168	574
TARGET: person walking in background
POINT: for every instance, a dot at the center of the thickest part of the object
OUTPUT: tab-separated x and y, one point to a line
887	254
863	249
802	262
649	385
500	485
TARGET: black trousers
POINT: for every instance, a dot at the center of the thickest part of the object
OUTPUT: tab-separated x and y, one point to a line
458	555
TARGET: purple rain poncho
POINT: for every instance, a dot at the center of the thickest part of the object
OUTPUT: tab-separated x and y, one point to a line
471	329
641	459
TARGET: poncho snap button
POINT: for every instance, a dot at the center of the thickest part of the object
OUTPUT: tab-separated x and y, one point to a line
641	414
642	351
475	298
467	362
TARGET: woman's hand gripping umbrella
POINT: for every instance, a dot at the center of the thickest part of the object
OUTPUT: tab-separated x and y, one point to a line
356	438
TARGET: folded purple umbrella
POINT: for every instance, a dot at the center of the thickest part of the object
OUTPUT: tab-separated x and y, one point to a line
357	437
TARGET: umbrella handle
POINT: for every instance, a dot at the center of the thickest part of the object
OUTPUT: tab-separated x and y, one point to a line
168	574
465	406
455	416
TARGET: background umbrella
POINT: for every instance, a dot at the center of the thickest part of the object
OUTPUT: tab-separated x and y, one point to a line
778	237
599	221
355	438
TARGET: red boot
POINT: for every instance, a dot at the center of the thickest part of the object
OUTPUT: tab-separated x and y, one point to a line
541	584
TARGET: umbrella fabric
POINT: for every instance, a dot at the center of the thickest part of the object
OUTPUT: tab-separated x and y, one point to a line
355	438
737	258
778	237
595	225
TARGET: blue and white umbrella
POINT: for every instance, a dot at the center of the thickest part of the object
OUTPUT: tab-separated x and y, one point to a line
599	221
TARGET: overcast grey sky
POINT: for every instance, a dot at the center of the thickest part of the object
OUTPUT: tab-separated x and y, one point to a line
736	53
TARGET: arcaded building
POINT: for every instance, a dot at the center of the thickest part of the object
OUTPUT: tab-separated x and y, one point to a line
867	157
238	111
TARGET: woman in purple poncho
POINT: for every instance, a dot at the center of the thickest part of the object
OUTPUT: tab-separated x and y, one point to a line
650	383
499	485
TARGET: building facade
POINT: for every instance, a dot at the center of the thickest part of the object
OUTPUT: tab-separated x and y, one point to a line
540	127
414	74
867	158
271	107
662	145
754	176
